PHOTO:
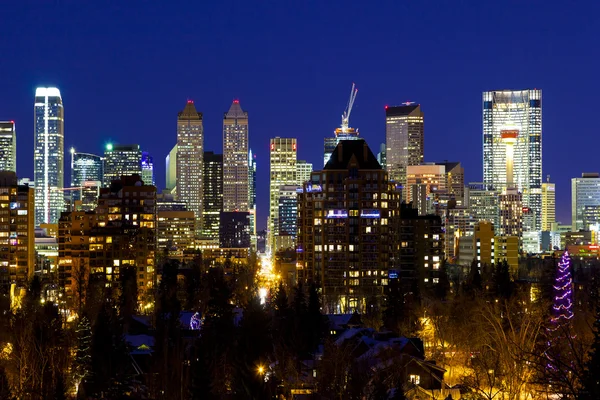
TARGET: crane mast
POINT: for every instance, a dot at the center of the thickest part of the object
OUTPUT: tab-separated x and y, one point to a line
348	110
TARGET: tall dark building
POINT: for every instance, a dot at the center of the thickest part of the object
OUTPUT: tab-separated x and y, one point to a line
234	230
121	160
213	193
346	238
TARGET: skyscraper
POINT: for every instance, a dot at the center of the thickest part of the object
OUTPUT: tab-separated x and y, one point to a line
148	169
303	171
85	167
48	155
235	159
585	191
213	193
344	132
518	114
252	197
548	205
404	138
121	160
8	146
190	165
283	157
171	169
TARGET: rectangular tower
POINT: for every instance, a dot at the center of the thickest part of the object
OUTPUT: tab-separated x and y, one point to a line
404	136
548	205
147	169
171	170
8	146
303	171
48	158
190	166
585	191
518	112
213	193
121	160
235	159
283	156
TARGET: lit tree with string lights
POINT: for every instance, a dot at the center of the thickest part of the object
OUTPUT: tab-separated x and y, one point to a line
562	307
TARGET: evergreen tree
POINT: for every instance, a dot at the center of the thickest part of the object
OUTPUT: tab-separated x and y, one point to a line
474	279
192	284
502	280
82	363
562	307
443	286
393	313
315	321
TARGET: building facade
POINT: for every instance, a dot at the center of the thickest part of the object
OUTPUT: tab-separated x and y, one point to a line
213	193
483	203
171	170
303	171
404	137
345	243
283	156
287	220
121	160
510	205
190	164
518	114
235	159
147	168
585	191
8	146
548	205
234	232
48	155
85	167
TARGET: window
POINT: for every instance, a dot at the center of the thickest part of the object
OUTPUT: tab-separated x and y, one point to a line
415	379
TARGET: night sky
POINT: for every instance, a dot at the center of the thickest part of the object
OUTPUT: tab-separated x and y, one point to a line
125	68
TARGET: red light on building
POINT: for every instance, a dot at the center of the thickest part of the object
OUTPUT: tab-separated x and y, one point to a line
272	146
386	107
593	247
12	121
236	101
294	146
190	101
509	134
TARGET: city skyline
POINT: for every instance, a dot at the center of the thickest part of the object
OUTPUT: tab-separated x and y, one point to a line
278	89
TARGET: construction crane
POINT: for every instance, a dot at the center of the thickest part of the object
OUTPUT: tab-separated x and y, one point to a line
348	110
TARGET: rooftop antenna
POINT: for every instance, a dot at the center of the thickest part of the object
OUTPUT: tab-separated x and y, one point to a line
348	110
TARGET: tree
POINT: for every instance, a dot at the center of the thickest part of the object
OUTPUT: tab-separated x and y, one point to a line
443	286
502	280
128	297
562	307
81	277
82	363
393	313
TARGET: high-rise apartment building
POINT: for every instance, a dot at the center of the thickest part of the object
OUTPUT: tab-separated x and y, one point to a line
404	136
585	191
235	159
85	167
190	165
548	205
303	171
283	156
121	160
8	146
147	169
512	128
171	170
48	158
17	238
346	216
213	193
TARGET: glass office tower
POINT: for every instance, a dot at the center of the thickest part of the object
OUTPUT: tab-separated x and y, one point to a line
8	146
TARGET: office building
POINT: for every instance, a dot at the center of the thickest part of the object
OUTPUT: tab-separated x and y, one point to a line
235	159
148	169
287	220
512	127
459	222
234	230
585	191
510	205
87	196
455	180
85	167
49	150
344	132
548	205
283	156
252	196
121	160
8	146
381	156
171	170
175	231
431	177
345	242
213	193
303	171
483	203
190	164
404	137
17	237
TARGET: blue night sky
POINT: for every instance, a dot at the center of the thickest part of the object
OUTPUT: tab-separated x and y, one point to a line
125	68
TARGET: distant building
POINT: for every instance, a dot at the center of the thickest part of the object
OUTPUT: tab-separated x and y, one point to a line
213	193
8	146
85	167
283	156
381	156
404	137
548	205
511	213
171	169
585	191
17	238
346	243
121	160
483	203
287	221
235	159
190	164
49	150
234	230
429	177
303	171
252	196
175	231
148	169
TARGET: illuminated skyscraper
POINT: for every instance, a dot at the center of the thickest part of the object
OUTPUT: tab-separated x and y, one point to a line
148	169
235	159
49	155
548	205
283	157
171	169
585	191
85	167
8	146
121	160
190	165
404	138
518	114
213	193
303	171
252	197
